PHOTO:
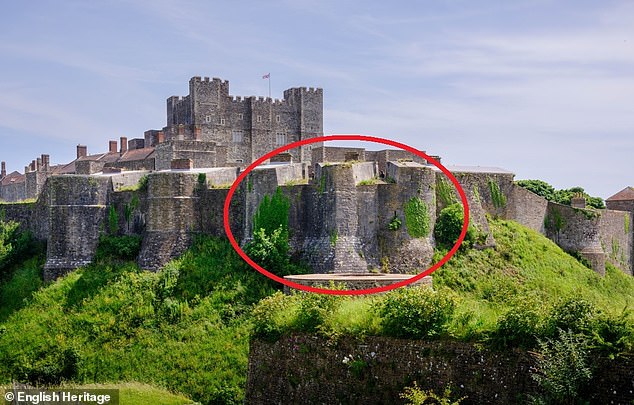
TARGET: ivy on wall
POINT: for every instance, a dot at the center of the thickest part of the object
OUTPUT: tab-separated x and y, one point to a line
272	213
445	192
554	222
113	220
497	196
417	218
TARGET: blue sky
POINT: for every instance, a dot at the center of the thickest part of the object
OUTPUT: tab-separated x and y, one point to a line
542	88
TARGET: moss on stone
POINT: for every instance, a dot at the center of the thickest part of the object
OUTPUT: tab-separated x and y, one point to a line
417	218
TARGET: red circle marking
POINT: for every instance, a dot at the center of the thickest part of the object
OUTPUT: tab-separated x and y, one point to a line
328	138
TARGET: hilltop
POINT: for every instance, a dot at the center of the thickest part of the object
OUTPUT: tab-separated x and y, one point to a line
187	327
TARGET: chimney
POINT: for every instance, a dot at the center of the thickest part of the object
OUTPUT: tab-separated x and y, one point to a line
124	144
3	173
45	161
578	201
160	137
197	133
33	167
82	151
112	146
39	163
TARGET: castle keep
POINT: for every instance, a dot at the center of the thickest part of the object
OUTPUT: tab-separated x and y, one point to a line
348	206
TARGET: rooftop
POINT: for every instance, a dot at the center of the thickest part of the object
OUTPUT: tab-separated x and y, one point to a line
627	194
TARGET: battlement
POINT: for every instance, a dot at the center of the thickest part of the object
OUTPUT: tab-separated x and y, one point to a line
205	79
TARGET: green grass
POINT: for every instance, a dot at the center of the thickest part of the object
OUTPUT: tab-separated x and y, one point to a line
16	290
185	328
130	393
526	266
526	282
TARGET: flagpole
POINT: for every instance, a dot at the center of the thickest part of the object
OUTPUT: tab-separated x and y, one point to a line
269	85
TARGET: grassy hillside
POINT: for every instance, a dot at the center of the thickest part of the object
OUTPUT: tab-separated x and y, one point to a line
131	393
525	289
186	329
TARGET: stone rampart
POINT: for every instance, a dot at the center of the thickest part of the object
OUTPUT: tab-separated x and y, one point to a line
77	207
527	208
576	230
310	369
616	238
171	217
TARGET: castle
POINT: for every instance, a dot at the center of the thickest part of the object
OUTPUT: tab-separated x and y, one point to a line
348	206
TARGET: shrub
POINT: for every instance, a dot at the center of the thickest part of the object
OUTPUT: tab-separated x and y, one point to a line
613	334
52	367
314	309
497	196
445	192
270	250
202	179
272	213
547	191
14	244
449	226
143	183
572	314
125	247
113	220
521	325
415	312
395	223
273	315
415	396
562	367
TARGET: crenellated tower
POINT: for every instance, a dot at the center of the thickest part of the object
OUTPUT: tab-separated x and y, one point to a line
244	128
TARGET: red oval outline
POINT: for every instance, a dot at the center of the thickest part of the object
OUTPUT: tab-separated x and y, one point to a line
342	137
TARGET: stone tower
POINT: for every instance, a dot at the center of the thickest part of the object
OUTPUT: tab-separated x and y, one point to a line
244	128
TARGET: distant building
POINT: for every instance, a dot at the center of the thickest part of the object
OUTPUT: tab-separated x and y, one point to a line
621	201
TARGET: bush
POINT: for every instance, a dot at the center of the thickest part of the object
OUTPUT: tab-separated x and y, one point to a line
564	196
562	368
572	314
125	247
449	226
613	335
273	315
521	325
314	309
415	312
270	250
415	396
272	213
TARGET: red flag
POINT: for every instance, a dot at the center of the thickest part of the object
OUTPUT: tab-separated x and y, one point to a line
266	76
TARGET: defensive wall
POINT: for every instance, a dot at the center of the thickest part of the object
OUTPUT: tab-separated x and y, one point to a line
313	369
344	219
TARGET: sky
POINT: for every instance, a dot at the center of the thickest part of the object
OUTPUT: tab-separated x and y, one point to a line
544	89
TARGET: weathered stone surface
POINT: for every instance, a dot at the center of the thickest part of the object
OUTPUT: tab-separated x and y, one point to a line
305	369
77	211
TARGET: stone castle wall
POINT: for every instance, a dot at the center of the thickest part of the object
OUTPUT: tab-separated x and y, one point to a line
248	127
616	238
310	369
13	192
339	222
77	207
